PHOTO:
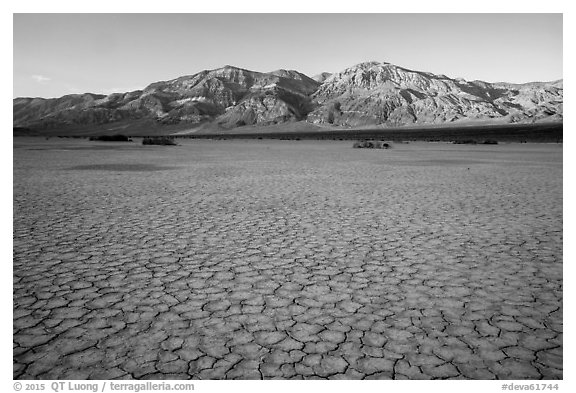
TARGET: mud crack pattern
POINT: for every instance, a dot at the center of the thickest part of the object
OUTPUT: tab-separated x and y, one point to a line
287	260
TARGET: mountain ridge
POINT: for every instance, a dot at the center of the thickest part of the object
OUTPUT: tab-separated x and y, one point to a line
367	94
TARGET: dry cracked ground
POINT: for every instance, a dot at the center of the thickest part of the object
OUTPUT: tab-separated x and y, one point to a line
287	260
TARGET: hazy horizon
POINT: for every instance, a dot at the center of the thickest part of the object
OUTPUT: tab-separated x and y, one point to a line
59	54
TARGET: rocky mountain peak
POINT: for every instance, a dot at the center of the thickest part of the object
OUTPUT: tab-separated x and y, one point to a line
376	75
290	74
383	93
369	64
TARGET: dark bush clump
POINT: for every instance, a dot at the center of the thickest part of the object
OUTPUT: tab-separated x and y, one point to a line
465	142
158	140
490	142
111	138
372	145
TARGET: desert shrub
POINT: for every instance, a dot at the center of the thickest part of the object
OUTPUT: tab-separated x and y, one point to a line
490	142
159	140
372	145
111	138
465	142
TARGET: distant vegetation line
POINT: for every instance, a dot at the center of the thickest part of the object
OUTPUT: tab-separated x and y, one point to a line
541	132
502	133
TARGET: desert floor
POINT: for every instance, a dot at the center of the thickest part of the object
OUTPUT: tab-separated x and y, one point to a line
286	259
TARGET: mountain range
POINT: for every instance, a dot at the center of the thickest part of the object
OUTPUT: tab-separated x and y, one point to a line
367	94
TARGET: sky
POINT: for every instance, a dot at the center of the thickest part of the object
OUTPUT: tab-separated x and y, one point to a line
58	54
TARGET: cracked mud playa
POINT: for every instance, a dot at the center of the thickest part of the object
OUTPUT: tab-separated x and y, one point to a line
286	259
